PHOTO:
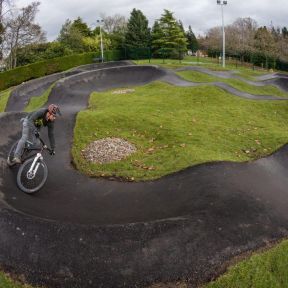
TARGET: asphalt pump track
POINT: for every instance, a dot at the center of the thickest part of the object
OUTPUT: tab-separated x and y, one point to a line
86	232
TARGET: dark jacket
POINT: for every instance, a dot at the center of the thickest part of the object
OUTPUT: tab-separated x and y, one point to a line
38	119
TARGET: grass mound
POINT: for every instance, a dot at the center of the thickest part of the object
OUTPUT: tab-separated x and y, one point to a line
265	270
7	282
176	127
4	97
38	101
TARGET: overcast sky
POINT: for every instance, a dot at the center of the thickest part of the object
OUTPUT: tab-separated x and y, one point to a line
200	14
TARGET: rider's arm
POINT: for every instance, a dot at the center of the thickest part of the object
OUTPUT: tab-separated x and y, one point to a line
36	114
50	126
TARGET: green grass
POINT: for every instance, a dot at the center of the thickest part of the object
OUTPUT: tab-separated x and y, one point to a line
39	101
4	96
264	270
196	76
7	282
176	127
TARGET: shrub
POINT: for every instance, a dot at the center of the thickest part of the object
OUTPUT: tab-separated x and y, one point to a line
21	74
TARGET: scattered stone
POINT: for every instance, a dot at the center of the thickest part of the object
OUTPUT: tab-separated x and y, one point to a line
108	150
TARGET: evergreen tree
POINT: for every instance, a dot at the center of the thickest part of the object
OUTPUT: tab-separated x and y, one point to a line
71	37
156	35
168	40
181	26
285	32
138	34
192	41
82	27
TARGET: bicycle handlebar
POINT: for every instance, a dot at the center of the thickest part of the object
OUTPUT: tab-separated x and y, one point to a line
44	146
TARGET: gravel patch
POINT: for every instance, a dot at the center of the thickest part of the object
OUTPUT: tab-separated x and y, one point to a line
123	91
108	150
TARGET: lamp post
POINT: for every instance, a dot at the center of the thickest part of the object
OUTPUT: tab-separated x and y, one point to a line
101	40
222	3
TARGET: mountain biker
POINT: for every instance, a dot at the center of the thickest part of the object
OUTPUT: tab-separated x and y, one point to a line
32	123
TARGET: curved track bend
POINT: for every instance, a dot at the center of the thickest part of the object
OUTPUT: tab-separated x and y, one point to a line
82	232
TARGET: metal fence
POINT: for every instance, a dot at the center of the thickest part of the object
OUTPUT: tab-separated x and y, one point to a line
252	60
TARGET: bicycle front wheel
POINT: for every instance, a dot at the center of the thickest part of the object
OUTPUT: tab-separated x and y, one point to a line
32	182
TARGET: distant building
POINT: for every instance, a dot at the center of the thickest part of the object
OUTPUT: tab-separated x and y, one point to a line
201	53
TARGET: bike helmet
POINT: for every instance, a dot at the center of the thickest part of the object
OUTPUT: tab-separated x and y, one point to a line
53	109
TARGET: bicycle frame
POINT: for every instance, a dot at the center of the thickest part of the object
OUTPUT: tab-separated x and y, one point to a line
36	149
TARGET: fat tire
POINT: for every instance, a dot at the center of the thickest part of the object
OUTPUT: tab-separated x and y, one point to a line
22	170
11	154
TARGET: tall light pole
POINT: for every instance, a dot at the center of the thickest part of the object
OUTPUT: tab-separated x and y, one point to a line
102	53
222	3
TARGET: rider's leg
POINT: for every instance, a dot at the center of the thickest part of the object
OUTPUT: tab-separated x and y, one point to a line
26	131
36	142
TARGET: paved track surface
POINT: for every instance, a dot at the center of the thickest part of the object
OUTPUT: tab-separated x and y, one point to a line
82	232
21	94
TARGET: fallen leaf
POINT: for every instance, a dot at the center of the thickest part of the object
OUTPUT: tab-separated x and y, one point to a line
150	150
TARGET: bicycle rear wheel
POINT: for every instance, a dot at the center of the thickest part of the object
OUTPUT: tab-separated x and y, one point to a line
11	154
31	184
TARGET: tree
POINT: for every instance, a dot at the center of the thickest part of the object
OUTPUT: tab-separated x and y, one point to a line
156	36
115	27
192	41
168	40
21	31
8	4
276	32
3	3
240	37
114	23
265	44
138	34
92	44
212	40
82	27
264	40
285	32
180	23
71	37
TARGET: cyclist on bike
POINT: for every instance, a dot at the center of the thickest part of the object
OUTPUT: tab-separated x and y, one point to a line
32	124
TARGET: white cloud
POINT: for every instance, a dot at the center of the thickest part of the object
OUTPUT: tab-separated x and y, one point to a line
200	14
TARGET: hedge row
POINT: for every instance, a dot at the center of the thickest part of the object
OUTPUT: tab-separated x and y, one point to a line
114	55
24	73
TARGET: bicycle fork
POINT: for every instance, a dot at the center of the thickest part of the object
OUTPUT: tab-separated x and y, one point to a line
34	167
